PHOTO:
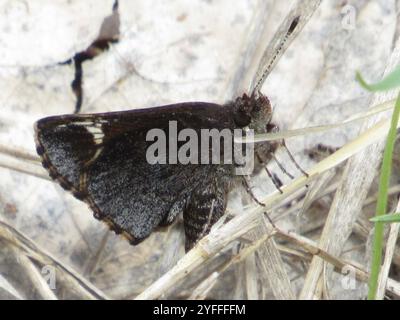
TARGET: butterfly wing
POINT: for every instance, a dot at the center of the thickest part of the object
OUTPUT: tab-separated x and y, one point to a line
101	158
206	205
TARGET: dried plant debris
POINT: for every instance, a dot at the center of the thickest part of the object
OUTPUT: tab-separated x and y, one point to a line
320	151
109	33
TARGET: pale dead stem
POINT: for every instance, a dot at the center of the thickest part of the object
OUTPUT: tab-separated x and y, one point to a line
242	256
340	265
22	168
27	251
22	161
34	279
19	154
92	263
272	267
202	290
361	228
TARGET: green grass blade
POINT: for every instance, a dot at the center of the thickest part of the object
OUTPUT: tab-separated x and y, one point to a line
382	202
391	81
395	217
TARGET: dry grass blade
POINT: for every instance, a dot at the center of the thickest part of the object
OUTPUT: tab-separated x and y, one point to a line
19	154
204	250
271	264
245	254
201	291
285	134
340	265
352	192
27	169
314	191
22	161
252	278
36	279
8	291
67	276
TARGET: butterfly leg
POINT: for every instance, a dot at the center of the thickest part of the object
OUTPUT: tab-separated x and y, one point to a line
293	159
250	191
276	184
274	128
283	169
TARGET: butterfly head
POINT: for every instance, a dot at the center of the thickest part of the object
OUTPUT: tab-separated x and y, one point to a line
253	112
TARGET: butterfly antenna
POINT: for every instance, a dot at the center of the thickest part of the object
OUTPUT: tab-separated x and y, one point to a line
293	160
273	53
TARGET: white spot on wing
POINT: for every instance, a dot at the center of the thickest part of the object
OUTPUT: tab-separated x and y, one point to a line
97	134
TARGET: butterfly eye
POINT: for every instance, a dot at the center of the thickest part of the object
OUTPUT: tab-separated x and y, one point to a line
271	127
242	119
